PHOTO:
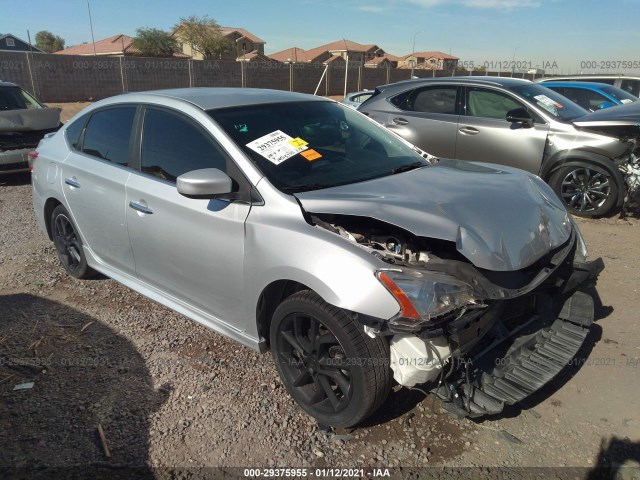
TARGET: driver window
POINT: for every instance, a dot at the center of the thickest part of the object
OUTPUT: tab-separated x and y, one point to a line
172	145
489	103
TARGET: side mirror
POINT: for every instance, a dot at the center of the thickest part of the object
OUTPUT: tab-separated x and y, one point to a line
520	115
206	182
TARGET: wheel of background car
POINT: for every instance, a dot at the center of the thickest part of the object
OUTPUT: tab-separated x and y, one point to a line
68	244
586	189
331	368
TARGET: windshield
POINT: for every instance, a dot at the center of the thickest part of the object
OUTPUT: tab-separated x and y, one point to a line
14	98
556	105
301	146
619	94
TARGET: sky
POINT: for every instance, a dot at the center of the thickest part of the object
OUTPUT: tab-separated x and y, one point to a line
561	36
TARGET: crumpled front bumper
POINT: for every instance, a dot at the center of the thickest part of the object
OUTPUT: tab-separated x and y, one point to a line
517	346
13	161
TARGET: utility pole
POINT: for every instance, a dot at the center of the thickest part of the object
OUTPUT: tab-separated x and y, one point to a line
93	40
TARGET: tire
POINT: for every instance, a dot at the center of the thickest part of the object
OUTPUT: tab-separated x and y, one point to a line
587	190
332	369
69	245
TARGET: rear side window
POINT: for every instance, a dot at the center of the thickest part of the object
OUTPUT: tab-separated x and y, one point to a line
173	145
631	86
436	99
108	134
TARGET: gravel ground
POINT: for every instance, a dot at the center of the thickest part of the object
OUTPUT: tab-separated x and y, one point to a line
170	394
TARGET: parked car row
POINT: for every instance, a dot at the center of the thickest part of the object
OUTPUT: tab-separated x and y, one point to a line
589	159
291	223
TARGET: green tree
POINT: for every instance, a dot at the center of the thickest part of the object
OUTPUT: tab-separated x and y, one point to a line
153	42
48	42
204	35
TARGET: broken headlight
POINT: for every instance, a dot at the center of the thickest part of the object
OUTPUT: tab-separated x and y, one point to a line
581	248
424	296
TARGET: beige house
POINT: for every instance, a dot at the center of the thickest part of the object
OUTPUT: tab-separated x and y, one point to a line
429	61
242	43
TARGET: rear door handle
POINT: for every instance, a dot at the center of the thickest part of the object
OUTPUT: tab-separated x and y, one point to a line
140	208
72	182
400	121
469	130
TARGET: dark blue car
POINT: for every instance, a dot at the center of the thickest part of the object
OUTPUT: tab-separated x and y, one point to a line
590	95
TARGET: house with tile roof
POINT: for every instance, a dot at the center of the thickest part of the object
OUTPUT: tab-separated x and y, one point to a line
429	61
11	43
117	45
357	54
299	55
242	43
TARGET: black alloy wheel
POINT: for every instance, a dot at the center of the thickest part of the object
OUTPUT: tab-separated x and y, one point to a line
333	370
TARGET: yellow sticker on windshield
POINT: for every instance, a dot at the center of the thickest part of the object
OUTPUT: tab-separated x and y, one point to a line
298	142
311	155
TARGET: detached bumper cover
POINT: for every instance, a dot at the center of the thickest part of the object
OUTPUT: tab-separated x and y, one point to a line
519	346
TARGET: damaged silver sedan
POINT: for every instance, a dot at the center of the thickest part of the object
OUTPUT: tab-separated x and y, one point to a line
291	223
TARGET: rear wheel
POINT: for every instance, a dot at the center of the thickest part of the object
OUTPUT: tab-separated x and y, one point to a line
69	245
331	368
586	189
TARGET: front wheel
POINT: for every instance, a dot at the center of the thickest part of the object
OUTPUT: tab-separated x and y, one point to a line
586	190
332	369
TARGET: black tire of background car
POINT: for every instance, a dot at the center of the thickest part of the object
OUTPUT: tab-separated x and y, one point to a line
69	245
581	172
343	341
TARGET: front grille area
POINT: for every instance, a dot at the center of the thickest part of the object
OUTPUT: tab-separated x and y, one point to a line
14	166
21	140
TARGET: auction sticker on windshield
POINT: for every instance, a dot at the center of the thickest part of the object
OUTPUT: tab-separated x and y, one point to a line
277	146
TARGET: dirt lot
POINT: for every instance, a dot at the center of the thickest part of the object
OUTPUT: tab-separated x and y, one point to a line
173	397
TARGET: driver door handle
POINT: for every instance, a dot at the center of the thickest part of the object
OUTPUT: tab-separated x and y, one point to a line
400	121
469	130
140	208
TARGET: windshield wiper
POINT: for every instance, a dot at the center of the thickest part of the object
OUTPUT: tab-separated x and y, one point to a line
406	168
305	187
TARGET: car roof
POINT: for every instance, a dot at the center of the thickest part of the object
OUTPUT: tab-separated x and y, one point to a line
470	80
213	98
582	85
7	84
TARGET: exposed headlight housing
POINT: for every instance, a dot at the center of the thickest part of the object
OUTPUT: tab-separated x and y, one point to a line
424	296
581	248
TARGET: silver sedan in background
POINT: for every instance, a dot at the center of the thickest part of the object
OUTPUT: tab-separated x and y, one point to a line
289	222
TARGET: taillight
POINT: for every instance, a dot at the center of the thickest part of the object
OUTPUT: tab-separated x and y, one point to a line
32	156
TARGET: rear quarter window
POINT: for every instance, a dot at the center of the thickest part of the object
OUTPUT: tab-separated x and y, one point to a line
74	131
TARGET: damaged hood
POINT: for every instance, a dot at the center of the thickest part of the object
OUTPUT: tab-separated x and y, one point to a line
620	115
29	119
500	218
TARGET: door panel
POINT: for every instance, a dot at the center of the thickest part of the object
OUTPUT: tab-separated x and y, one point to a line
94	176
485	136
434	133
429	118
95	194
190	248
